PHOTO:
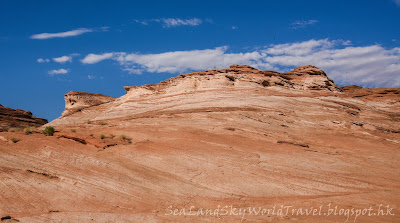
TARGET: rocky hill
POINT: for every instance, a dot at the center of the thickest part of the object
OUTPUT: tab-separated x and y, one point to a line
236	137
203	84
11	119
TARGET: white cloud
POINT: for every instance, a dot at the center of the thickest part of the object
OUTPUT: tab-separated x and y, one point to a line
172	22
183	61
41	60
60	71
91	77
95	58
299	49
397	2
303	23
367	65
363	65
234	27
75	32
104	28
62	59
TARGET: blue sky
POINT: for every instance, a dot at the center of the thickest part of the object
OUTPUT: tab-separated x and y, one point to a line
48	48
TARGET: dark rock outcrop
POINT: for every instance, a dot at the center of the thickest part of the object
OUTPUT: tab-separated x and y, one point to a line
18	119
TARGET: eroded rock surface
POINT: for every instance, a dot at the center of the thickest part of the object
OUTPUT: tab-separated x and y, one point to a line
18	119
76	101
237	136
241	76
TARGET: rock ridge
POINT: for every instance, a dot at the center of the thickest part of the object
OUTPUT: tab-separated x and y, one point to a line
18	119
302	78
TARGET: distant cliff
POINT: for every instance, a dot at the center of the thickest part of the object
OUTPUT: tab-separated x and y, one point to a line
18	119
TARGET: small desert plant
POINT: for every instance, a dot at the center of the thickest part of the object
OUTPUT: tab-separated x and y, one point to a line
102	136
112	136
88	122
125	138
73	130
14	140
29	130
104	123
14	130
49	131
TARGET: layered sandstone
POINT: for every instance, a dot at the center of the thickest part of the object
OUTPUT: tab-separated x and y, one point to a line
18	119
241	76
76	101
237	136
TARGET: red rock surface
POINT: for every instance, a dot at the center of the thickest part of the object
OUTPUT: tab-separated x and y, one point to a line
18	119
218	137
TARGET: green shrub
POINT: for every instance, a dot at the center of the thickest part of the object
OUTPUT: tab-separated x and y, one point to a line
102	136
73	130
29	130
104	123
49	131
112	136
14	140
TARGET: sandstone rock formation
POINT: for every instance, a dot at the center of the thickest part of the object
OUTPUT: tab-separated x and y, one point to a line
242	76
368	94
307	70
76	101
18	119
236	137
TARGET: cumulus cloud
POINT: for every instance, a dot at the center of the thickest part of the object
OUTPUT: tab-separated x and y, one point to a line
178	61
60	71
70	33
183	61
299	49
95	58
62	59
303	23
172	22
363	65
41	60
397	2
